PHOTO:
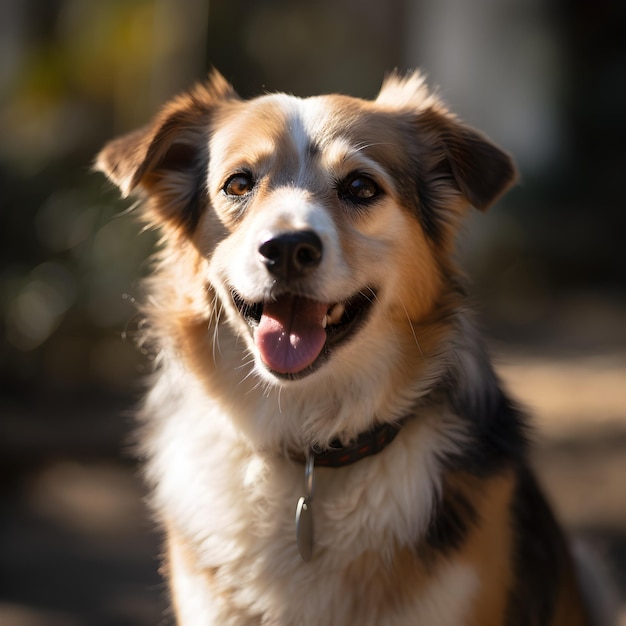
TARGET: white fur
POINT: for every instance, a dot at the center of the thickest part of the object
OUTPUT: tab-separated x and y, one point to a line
237	507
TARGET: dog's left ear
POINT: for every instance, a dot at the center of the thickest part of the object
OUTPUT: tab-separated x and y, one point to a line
482	171
479	168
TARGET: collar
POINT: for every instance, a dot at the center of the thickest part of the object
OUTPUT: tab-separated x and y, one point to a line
366	444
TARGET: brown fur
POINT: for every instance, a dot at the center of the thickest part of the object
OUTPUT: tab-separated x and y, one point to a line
219	421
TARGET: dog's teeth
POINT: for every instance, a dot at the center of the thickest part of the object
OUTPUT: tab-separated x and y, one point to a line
325	321
336	313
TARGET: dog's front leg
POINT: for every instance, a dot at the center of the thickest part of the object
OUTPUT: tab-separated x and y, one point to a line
195	597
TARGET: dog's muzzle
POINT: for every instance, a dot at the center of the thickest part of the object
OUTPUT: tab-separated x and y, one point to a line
293	331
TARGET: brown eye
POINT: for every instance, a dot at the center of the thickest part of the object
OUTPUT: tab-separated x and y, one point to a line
239	184
359	188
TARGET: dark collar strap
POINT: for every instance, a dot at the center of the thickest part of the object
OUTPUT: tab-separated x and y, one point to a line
366	444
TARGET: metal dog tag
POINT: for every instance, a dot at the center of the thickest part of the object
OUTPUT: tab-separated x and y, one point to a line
304	512
304	528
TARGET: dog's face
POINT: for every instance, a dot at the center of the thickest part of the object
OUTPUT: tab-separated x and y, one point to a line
324	226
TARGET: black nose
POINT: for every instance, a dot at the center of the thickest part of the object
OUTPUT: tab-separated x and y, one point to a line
291	255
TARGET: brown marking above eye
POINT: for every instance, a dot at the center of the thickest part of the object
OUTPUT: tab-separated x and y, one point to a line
239	184
359	188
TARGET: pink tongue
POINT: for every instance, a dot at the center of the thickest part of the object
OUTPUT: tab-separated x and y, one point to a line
290	335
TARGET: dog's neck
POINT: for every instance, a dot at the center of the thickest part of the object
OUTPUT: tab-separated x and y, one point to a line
336	455
366	444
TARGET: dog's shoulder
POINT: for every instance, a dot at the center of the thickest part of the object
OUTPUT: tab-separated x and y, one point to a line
492	511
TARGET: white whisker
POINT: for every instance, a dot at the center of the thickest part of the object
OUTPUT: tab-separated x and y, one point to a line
417	343
217	309
280	392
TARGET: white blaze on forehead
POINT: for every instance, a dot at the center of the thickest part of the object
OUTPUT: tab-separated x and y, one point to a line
303	119
309	122
317	115
298	129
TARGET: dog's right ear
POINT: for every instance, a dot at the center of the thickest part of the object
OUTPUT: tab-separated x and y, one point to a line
164	156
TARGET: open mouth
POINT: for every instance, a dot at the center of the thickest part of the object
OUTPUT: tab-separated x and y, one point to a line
295	334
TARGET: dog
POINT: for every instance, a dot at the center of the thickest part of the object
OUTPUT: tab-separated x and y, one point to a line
326	440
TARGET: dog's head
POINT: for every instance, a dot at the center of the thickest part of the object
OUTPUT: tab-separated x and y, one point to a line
312	219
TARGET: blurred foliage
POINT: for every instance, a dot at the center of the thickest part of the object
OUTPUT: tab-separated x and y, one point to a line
68	257
73	74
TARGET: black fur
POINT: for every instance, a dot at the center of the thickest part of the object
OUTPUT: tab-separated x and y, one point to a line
453	519
497	427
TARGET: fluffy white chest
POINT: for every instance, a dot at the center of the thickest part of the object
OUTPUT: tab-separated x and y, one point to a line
318	599
232	515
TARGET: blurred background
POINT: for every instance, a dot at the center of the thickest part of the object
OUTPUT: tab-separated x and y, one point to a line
545	79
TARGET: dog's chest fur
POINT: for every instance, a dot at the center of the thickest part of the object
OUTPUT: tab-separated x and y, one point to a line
237	511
